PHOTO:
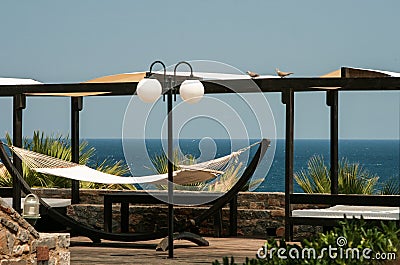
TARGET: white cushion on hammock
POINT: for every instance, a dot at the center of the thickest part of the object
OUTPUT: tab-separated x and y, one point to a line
84	173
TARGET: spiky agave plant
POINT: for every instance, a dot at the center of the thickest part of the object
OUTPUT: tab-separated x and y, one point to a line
59	146
352	178
391	186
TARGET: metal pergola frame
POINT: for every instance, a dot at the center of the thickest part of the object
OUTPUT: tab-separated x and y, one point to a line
286	86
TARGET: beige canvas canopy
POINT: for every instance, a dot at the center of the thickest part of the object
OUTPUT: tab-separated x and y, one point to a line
357	73
360	72
119	78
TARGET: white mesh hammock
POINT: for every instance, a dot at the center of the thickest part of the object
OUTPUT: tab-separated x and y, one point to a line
187	174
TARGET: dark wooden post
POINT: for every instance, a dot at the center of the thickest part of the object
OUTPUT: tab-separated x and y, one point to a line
288	100
76	107
233	215
332	102
19	103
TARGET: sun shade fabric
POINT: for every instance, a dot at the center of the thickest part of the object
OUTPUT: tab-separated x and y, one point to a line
119	78
18	81
361	72
136	77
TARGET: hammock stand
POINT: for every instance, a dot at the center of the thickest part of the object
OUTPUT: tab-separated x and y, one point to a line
97	235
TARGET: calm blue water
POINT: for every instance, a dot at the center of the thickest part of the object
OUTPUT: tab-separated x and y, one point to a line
380	157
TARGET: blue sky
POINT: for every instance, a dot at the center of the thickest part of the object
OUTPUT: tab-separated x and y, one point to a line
74	41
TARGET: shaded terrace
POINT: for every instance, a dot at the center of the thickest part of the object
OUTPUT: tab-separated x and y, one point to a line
350	79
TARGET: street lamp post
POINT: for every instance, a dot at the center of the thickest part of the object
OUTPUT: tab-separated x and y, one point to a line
191	91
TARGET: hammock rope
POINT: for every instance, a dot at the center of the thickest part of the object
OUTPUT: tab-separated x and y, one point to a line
187	174
219	164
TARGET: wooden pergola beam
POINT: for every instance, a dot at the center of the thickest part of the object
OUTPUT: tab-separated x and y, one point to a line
211	87
108	89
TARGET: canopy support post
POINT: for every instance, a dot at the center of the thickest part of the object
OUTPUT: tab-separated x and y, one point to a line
288	100
19	103
332	102
76	107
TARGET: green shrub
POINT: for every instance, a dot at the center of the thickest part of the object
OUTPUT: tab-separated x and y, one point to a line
378	237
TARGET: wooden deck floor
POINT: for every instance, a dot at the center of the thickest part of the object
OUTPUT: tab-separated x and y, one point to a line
84	252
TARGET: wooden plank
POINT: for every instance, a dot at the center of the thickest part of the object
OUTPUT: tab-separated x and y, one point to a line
110	89
143	252
344	84
219	86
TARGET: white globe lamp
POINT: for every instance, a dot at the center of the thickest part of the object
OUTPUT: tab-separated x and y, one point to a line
149	90
191	91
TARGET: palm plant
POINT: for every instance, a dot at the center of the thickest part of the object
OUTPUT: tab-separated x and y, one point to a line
226	180
220	184
5	177
391	186
160	163
59	146
352	178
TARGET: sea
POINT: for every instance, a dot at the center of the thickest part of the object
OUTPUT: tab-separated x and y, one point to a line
378	157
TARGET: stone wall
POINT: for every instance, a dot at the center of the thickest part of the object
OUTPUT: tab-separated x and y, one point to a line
259	213
21	244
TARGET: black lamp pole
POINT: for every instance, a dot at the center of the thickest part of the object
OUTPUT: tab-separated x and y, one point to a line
169	92
170	177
